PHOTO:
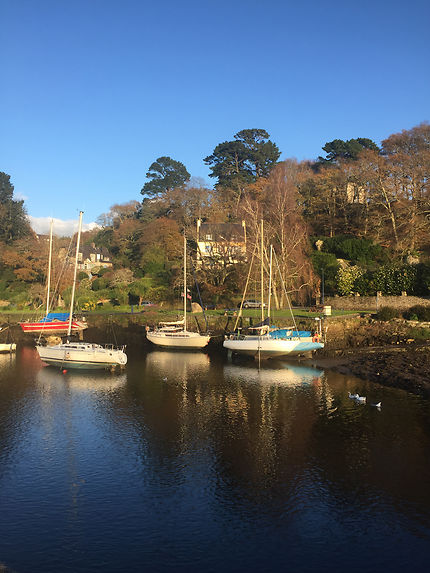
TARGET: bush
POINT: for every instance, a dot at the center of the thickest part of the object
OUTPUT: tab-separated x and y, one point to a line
418	312
387	313
353	249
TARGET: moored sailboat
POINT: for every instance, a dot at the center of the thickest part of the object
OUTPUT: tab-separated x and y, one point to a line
174	335
265	341
82	355
52	322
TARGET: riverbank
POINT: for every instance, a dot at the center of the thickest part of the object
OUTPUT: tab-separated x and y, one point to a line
405	367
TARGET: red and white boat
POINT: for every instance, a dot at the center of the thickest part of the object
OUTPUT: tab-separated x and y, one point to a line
54	323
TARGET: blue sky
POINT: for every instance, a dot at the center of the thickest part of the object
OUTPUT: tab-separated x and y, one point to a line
93	91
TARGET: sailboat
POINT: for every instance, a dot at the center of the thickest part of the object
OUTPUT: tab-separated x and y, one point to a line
266	341
52	322
175	334
84	355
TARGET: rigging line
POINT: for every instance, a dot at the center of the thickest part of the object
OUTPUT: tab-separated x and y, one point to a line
239	314
198	292
285	290
66	263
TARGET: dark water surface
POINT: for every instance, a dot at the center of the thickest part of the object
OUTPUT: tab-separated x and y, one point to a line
191	463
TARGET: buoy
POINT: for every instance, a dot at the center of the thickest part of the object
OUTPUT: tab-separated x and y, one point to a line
64	371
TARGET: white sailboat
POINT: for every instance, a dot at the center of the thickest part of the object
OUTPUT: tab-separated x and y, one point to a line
83	355
270	342
175	334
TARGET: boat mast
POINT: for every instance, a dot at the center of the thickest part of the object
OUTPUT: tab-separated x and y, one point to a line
270	283
48	285
72	300
262	275
185	283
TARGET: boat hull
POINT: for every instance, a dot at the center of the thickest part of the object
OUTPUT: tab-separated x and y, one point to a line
55	327
182	340
267	347
82	356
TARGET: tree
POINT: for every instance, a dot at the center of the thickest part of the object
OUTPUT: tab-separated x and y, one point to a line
408	160
13	218
238	163
284	227
350	149
165	174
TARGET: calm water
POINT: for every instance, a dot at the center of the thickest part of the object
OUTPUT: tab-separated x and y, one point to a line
186	463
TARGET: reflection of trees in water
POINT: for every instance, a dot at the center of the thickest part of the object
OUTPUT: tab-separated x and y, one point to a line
17	402
248	425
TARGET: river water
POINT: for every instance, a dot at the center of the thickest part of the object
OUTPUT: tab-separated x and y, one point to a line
187	462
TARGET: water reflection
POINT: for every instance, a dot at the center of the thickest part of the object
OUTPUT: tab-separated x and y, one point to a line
178	366
52	379
273	373
184	462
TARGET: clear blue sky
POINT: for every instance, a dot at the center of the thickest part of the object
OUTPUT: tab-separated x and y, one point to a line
93	91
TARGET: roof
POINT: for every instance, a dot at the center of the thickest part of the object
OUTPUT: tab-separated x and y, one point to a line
222	231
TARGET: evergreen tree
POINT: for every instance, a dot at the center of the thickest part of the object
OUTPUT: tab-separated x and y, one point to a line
165	174
13	218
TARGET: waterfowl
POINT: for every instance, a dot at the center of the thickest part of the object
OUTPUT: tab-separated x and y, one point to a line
353	396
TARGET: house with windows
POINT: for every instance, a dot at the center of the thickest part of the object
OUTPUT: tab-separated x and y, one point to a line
223	243
91	257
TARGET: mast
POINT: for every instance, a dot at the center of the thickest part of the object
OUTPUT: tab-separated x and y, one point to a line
262	275
48	285
72	300
185	283
270	282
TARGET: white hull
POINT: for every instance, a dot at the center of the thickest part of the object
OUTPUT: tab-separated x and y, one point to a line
10	347
82	355
182	339
268	347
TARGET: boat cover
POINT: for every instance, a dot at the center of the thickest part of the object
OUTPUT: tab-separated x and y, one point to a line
51	316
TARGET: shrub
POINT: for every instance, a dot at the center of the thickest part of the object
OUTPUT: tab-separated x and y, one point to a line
346	278
356	250
387	313
393	279
418	312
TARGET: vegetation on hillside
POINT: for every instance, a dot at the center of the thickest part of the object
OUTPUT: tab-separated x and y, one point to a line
356	220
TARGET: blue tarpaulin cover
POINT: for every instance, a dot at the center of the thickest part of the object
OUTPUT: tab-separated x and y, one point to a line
63	316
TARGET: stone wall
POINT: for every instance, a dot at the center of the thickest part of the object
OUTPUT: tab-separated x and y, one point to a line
374	302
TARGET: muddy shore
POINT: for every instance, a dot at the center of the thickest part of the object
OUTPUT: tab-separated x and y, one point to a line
402	367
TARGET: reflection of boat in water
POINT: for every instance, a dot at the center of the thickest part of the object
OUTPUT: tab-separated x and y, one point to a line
6	359
273	373
97	381
177	363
